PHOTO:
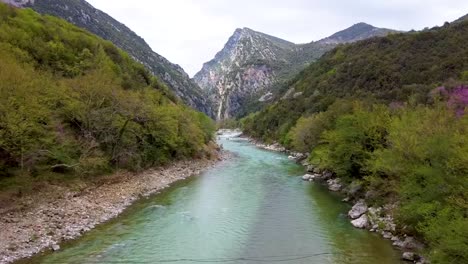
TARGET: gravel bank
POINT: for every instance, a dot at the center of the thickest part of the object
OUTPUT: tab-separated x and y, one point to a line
56	213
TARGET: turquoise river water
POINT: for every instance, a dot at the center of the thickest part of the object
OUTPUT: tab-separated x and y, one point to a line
253	208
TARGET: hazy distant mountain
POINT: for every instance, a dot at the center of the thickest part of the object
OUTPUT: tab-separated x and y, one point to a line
463	18
244	73
82	14
355	33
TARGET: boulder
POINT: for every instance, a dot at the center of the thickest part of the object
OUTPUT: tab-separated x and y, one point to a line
334	185
387	235
409	256
358	209
327	175
310	168
361	222
308	177
55	247
409	243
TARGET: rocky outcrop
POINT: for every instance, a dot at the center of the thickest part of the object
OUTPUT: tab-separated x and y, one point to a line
82	14
243	68
252	65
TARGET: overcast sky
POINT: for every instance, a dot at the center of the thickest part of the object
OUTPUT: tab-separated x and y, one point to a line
191	32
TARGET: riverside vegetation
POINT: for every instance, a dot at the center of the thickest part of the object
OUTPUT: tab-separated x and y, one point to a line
389	115
73	105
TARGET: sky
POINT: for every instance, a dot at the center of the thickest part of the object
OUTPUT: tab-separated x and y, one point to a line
191	32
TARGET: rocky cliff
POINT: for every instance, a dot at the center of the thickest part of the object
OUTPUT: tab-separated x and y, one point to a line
248	63
248	70
82	14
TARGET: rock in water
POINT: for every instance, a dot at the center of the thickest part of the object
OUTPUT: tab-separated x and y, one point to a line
358	209
361	222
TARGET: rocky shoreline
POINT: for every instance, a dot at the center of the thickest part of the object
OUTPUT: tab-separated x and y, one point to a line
377	219
43	220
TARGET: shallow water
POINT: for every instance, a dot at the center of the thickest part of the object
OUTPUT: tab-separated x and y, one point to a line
253	208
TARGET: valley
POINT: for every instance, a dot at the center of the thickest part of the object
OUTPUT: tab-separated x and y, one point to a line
347	149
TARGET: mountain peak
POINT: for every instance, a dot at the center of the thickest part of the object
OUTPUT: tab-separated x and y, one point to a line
355	33
244	29
361	24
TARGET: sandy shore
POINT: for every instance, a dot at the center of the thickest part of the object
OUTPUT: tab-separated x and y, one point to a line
55	214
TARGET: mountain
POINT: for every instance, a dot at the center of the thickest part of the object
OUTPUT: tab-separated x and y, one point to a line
391	69
355	33
251	67
244	67
461	19
84	15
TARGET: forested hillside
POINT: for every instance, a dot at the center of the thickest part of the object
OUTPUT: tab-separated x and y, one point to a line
388	69
389	115
72	103
84	15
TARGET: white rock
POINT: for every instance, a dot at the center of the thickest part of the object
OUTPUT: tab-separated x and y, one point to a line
358	209
334	185
55	247
410	256
308	177
361	222
387	235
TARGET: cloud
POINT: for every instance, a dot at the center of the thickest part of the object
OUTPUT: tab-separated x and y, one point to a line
190	32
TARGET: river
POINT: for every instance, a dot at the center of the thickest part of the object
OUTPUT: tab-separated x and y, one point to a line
252	208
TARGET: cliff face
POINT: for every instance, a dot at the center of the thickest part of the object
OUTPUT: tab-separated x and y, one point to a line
245	67
18	3
246	72
82	14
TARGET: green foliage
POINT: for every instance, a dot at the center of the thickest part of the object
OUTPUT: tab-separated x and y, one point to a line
306	134
104	26
348	146
427	158
402	144
416	155
395	68
228	124
73	103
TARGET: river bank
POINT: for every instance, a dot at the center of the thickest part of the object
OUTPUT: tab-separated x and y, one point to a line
378	219
251	208
41	221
